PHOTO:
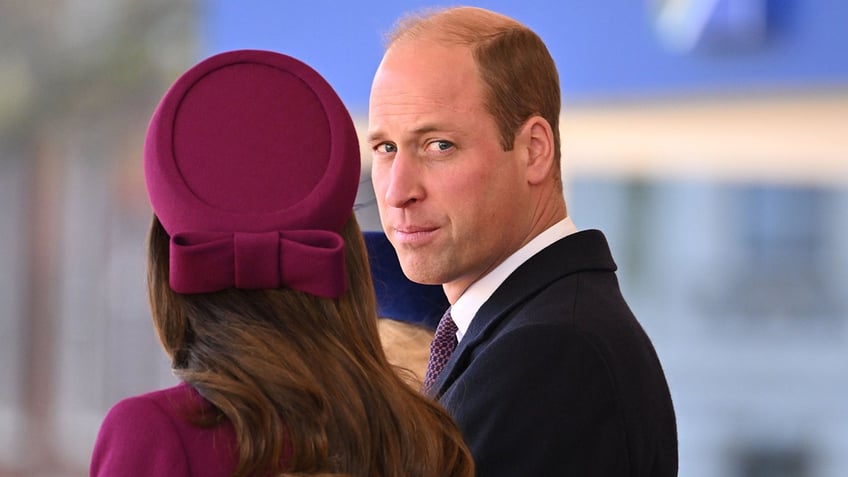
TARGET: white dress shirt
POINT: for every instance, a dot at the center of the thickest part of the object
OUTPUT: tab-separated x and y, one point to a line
472	299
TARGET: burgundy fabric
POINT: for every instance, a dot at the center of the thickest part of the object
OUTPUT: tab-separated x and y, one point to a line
150	435
254	260
441	348
252	166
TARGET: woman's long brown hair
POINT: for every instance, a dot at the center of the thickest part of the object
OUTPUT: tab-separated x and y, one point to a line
302	379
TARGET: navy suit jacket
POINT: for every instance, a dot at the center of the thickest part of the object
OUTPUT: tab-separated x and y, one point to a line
556	377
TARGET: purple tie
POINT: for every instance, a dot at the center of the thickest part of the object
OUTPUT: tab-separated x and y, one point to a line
443	344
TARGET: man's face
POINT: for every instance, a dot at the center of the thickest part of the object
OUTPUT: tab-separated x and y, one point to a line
453	203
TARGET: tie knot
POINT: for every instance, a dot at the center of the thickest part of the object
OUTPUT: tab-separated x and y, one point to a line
447	325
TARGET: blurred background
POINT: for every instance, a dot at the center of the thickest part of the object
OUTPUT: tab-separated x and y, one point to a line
707	138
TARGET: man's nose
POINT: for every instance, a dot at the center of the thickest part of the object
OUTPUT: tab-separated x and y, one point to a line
405	185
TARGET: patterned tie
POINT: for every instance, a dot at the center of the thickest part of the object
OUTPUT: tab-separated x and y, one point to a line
443	344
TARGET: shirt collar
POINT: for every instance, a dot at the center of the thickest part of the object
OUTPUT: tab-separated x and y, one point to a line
466	306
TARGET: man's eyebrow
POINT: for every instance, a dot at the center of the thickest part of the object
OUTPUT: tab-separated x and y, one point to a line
427	128
423	129
380	136
375	137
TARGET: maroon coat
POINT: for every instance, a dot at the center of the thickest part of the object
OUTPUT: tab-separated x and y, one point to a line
151	436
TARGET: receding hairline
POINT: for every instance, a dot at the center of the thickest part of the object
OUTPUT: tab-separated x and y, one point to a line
455	25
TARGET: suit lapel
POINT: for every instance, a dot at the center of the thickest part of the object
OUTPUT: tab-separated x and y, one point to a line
581	251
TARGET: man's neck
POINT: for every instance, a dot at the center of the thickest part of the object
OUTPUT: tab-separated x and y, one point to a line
465	306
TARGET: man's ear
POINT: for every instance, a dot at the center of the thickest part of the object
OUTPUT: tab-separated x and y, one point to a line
537	140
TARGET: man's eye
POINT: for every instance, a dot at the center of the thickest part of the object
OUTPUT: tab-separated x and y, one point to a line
386	148
439	146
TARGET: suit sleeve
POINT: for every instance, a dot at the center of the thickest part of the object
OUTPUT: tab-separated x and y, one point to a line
539	401
138	438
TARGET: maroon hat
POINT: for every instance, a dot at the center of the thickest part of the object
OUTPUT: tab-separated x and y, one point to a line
252	165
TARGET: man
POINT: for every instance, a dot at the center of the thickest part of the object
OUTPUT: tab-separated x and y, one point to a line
552	374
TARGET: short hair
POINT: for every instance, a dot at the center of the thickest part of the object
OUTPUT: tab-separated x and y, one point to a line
519	76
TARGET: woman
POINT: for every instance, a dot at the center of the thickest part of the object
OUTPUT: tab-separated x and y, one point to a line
261	294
